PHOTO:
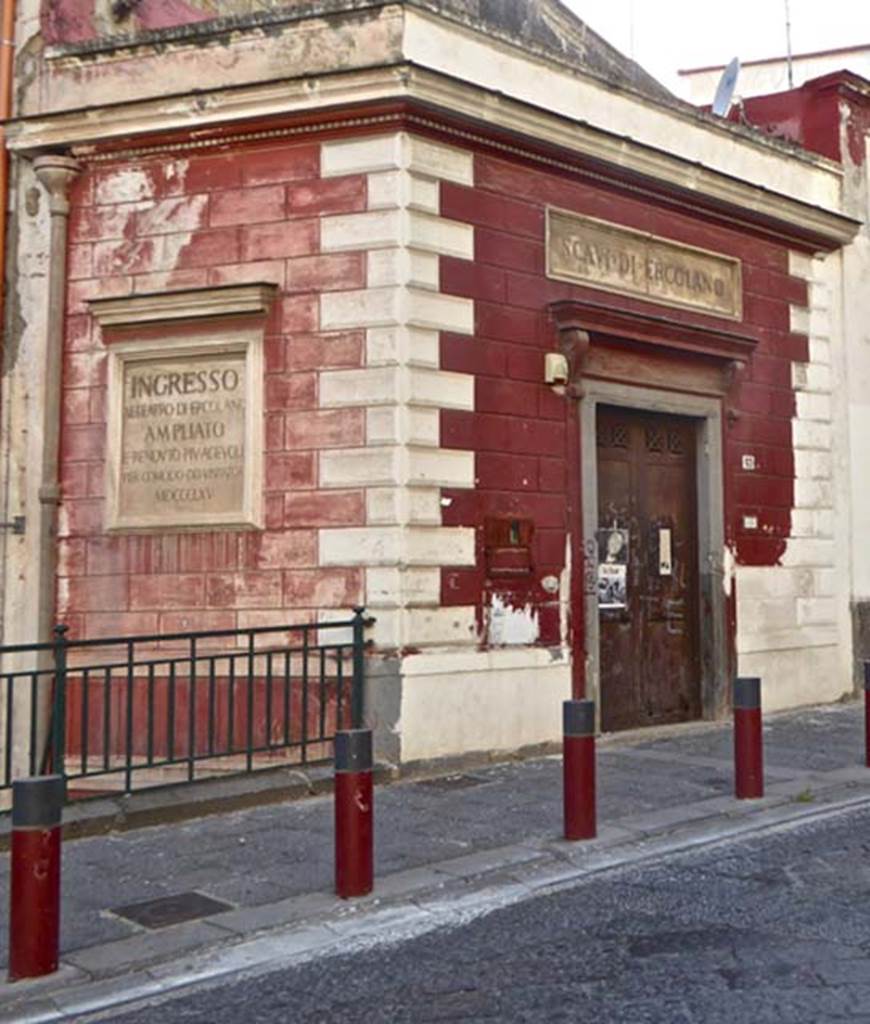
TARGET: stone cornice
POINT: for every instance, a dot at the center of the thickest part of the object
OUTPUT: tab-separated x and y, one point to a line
662	332
350	101
192	304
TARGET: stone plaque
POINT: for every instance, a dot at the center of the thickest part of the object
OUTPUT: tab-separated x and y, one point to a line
182	447
603	255
183	437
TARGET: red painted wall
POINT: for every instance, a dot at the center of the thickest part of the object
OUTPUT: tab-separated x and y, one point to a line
828	115
223	216
78	21
521	431
208	219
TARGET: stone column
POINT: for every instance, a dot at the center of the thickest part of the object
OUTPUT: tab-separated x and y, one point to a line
56	174
35	597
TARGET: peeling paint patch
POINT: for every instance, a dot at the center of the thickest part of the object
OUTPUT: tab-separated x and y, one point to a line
728	570
68	21
178	213
511	626
125	185
63	597
565	593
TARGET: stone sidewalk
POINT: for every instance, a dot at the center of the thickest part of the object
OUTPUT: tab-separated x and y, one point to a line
436	839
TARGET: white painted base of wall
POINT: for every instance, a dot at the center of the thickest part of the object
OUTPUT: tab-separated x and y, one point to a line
790	678
448	703
467	702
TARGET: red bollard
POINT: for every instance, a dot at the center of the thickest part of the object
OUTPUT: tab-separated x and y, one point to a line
748	757
867	713
578	768
354	833
34	898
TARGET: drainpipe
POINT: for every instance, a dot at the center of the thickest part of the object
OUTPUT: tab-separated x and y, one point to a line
56	173
574	345
7	63
7	59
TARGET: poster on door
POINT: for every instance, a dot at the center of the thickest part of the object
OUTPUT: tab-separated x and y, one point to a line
612	569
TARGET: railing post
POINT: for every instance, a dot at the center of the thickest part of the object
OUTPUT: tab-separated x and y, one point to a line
578	768
748	756
354	831
359	668
867	713
34	896
58	711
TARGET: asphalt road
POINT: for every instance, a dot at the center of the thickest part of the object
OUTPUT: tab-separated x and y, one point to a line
775	929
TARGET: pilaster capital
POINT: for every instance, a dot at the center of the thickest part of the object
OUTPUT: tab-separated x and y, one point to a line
57	173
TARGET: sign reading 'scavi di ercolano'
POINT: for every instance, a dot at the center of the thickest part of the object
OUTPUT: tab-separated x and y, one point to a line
617	259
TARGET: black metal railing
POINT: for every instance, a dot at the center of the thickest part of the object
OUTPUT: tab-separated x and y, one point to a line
131	712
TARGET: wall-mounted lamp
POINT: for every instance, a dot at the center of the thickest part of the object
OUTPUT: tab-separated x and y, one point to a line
555	368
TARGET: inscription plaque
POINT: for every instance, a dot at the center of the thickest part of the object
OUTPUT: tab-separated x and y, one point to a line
183	445
183	436
616	259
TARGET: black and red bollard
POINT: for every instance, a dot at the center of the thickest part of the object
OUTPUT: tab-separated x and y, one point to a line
354	832
34	896
748	755
867	713
578	768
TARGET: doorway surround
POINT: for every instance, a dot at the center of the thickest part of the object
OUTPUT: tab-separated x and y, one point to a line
707	414
669	364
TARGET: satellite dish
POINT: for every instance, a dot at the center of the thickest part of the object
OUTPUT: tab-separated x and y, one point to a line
725	90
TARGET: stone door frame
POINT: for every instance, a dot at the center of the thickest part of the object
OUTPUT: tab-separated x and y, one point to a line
714	582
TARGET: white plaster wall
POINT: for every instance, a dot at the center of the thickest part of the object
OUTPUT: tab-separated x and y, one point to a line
21	401
455	703
21	404
793	620
447	47
760	79
856	318
795	677
303	47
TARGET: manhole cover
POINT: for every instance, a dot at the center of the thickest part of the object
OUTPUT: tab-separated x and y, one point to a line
166	910
448	782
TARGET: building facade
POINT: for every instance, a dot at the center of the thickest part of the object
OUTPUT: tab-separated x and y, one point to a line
439	309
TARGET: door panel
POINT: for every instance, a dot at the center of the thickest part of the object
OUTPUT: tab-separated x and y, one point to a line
649	648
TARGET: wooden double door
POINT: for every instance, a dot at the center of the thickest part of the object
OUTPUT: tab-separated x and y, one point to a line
648	586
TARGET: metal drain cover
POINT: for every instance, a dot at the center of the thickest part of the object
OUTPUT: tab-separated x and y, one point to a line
167	910
450	782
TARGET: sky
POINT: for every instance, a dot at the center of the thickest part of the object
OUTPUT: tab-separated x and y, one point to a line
665	35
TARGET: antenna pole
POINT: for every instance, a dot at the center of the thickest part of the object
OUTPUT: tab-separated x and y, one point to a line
788	45
631	29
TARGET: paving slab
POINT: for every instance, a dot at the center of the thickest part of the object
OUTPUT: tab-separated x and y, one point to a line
414	880
295	909
114	957
486	860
